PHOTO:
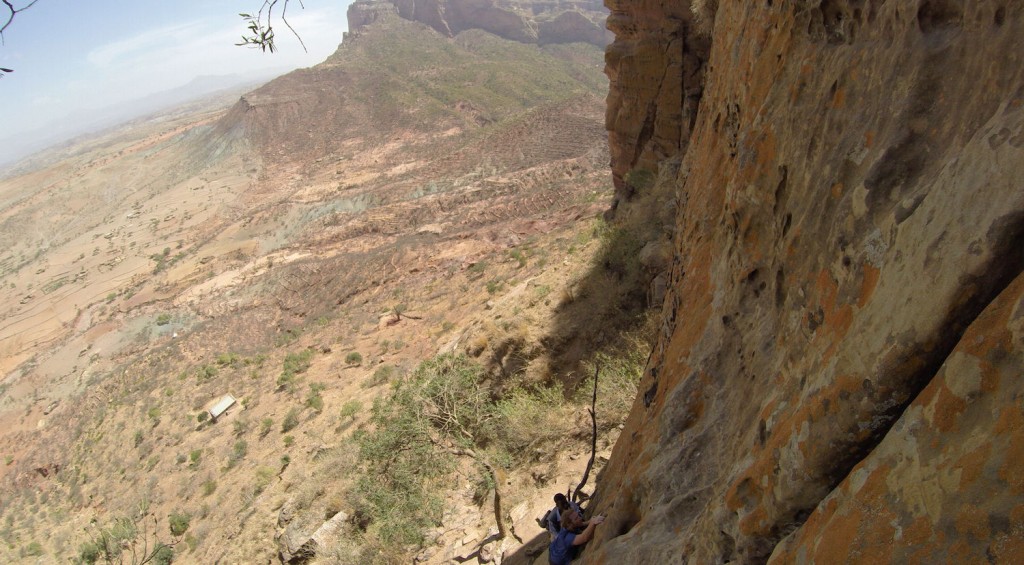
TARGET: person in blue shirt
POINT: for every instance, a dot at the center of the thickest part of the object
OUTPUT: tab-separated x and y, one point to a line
566	544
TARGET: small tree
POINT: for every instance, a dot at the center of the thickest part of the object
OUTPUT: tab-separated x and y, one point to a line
439	412
350	409
179	522
130	540
291	419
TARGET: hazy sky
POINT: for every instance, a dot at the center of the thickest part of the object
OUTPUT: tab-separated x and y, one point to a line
72	55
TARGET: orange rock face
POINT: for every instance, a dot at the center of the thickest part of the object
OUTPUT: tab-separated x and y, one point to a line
842	343
944	484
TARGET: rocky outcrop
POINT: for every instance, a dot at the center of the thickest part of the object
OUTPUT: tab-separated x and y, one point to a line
656	71
556	21
838	373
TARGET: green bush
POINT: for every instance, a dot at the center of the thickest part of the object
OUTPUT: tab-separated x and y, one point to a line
178	522
109	542
383	374
294	364
209	486
395	496
33	549
90	552
354	358
398	496
194	457
291	419
228	359
164	555
315	401
206	372
161	320
265	426
350	409
238	452
297	362
477	268
531	418
263	477
519	256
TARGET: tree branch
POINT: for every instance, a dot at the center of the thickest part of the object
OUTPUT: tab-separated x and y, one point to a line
11	12
261	27
593	441
499	517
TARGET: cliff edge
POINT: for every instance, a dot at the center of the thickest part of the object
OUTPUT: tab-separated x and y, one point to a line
838	371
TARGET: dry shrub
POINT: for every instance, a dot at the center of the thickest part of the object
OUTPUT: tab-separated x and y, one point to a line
533	420
617	382
477	345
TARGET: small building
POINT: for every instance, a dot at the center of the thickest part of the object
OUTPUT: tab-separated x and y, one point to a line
221	407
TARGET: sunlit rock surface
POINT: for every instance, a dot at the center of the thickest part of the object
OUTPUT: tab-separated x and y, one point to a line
849	232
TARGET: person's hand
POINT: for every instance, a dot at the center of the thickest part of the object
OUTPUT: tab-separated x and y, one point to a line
597	519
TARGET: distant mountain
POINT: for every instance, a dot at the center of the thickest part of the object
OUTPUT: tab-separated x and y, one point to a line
396	76
528	21
82	123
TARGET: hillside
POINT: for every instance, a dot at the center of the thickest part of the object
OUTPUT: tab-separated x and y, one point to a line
303	250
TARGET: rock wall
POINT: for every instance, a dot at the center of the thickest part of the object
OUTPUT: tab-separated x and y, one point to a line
555	21
656	72
838	373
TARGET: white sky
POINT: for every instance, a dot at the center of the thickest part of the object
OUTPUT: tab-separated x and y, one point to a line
70	56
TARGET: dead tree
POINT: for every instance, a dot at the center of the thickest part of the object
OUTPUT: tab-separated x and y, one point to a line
593	438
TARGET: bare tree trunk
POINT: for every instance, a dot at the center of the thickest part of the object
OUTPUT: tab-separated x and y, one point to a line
593	440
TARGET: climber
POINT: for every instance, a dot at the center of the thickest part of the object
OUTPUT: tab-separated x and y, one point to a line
554	516
566	544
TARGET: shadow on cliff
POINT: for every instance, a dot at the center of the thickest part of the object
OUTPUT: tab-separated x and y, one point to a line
612	309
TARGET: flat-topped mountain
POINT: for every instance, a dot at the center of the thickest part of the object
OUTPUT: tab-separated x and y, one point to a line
396	77
557	21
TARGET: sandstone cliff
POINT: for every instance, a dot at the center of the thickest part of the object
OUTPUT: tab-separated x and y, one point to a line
838	374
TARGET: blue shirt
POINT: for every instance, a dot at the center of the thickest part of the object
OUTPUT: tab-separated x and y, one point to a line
561	550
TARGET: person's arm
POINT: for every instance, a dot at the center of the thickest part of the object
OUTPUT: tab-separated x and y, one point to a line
588	533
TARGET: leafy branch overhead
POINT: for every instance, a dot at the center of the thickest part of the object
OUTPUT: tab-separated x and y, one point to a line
260	26
12	10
